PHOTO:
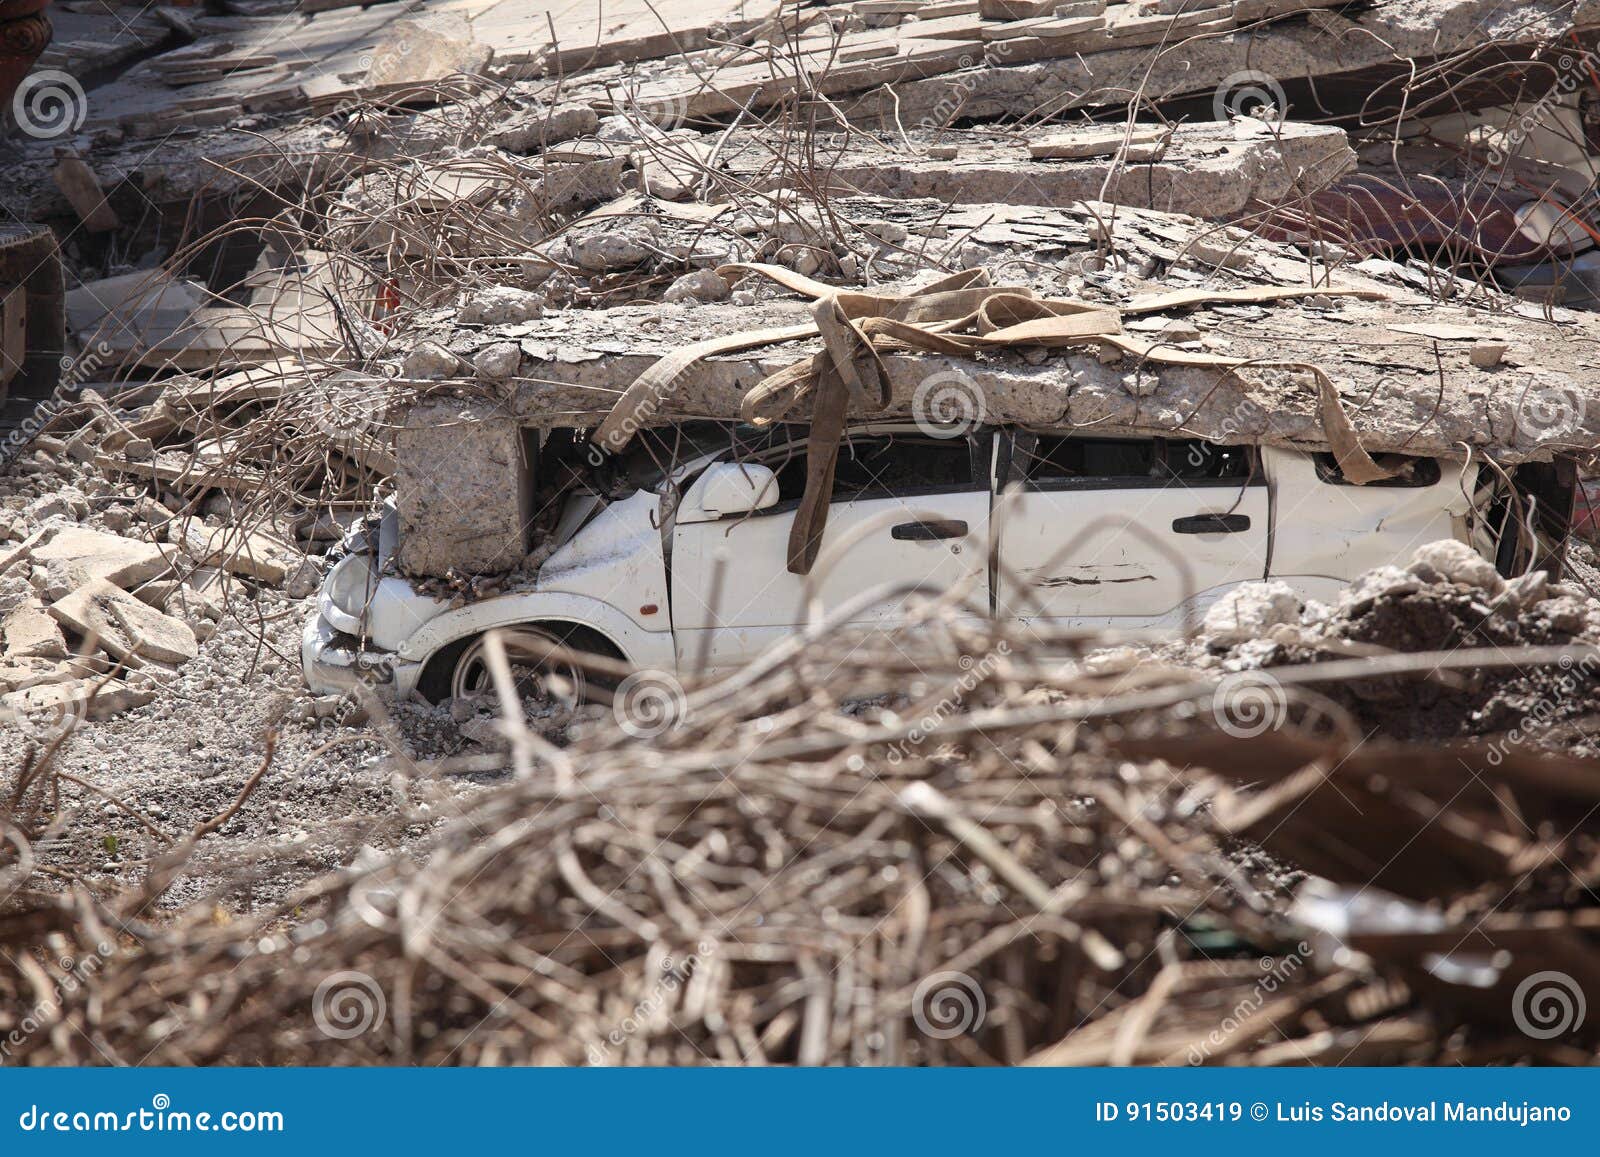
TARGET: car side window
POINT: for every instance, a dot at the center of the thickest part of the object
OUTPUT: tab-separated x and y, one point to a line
1054	462
878	466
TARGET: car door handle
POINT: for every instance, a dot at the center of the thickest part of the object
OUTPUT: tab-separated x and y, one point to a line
929	530
1211	524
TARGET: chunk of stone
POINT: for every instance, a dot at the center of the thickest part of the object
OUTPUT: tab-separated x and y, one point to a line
616	244
701	285
1380	583
1250	610
1525	590
1455	562
500	305
47	710
25	673
236	551
304	580
498	362
124	626
1487	354
75	555
118	519
429	362
30	633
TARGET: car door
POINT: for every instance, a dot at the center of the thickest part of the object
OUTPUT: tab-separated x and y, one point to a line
1119	532
914	507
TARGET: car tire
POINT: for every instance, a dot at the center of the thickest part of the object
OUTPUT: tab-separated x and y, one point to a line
443	673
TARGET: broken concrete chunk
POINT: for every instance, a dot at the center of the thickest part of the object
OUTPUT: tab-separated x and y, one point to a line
235	551
304	581
1384	582
124	626
429	362
701	285
45	711
1455	562
498	362
501	305
614	243
1250	610
30	633
25	673
65	503
1487	354
75	555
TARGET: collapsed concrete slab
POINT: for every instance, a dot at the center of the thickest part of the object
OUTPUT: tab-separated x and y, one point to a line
76	555
1208	169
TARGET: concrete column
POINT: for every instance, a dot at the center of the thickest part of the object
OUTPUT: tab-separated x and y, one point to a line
465	489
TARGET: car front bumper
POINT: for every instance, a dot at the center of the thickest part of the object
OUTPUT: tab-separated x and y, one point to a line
332	665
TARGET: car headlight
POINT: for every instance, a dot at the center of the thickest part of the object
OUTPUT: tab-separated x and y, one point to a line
346	592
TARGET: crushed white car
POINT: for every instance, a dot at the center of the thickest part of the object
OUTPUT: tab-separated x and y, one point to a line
681	564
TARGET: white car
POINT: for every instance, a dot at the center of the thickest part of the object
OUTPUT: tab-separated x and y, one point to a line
687	567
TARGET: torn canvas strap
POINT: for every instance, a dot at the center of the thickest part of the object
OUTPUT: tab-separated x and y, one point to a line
956	316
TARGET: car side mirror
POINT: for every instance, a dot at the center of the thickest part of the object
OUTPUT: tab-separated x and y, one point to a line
729	488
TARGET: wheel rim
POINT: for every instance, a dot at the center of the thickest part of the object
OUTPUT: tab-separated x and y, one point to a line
533	674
